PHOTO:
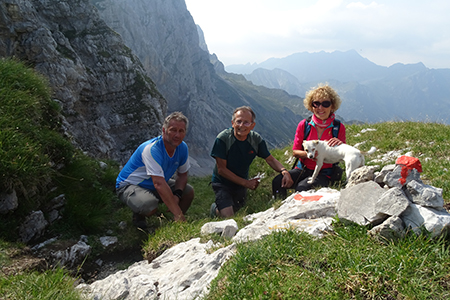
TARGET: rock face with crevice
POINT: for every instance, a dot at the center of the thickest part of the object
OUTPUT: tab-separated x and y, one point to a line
109	103
164	36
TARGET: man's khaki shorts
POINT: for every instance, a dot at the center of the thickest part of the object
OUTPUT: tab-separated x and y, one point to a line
141	200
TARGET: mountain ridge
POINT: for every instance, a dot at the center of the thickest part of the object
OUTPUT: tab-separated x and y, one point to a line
370	93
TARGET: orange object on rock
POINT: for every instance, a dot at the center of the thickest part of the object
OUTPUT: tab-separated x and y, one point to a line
408	163
307	198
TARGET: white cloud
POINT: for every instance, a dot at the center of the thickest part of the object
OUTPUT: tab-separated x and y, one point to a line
360	5
384	31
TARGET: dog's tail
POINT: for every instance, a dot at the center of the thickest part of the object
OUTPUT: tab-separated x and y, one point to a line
371	151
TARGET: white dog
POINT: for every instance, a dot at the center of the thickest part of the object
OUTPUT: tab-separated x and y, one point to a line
352	157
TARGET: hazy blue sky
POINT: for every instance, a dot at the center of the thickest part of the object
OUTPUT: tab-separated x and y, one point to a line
383	31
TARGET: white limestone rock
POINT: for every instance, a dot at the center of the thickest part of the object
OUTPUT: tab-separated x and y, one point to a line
392	228
360	175
33	227
227	228
181	272
393	202
358	204
435	221
314	217
424	195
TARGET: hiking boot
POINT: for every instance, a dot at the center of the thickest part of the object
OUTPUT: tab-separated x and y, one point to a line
212	211
139	221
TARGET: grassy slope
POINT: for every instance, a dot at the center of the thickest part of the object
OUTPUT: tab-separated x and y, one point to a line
346	265
349	264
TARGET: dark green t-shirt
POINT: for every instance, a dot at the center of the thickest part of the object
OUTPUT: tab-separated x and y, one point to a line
238	154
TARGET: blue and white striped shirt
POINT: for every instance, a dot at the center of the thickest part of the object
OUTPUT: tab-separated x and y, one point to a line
151	159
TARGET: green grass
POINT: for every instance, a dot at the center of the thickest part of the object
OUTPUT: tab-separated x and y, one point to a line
35	158
30	144
349	264
51	285
89	190
345	265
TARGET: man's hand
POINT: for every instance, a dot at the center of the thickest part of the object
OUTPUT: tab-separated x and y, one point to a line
287	181
252	183
179	217
170	200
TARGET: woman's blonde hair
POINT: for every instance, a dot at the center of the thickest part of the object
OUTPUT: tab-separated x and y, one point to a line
322	92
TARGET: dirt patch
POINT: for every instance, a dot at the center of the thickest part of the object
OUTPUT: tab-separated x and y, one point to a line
110	263
447	206
23	260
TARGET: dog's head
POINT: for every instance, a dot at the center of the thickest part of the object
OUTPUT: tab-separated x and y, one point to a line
310	147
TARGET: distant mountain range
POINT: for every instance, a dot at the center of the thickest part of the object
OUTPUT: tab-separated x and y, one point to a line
370	93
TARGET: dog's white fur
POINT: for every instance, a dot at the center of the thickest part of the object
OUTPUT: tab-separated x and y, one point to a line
352	157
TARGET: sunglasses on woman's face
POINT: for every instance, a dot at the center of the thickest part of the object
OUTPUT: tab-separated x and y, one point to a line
325	104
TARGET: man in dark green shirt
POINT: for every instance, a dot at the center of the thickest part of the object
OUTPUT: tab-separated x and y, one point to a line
234	150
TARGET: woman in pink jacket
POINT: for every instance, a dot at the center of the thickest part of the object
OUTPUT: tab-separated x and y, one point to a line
322	101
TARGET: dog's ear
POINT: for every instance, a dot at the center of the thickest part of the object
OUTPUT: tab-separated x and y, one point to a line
316	142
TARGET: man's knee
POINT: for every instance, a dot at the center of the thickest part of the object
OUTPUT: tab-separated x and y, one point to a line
186	198
276	184
226	212
188	192
140	200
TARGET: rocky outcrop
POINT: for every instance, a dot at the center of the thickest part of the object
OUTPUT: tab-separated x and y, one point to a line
8	202
396	199
109	103
186	270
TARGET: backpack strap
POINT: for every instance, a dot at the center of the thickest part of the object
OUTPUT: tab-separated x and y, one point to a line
335	131
307	128
336	127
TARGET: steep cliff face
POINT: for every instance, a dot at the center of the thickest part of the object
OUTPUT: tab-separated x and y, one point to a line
109	103
164	36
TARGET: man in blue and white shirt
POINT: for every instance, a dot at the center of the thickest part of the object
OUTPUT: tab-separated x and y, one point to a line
146	179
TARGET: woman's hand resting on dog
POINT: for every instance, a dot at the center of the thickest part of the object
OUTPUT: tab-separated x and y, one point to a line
334	142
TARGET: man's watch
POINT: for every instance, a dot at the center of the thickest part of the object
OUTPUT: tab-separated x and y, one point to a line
282	170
